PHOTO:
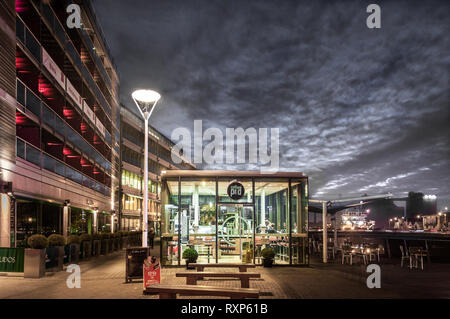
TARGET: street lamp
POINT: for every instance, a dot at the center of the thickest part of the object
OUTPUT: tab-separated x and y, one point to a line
145	101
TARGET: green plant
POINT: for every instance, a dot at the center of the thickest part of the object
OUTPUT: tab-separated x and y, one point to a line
85	237
190	255
56	240
73	239
268	253
37	241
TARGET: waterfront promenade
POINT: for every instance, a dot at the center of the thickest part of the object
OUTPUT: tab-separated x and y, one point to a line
104	277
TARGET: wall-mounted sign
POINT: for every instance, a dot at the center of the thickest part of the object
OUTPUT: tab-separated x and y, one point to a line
53	69
235	190
73	93
89	113
11	259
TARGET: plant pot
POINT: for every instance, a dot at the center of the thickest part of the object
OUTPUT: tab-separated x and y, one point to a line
267	263
96	248
86	249
190	262
34	264
74	253
66	254
60	260
111	245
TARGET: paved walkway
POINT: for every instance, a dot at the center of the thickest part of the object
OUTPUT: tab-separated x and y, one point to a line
104	277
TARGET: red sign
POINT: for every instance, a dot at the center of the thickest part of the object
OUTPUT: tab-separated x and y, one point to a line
152	271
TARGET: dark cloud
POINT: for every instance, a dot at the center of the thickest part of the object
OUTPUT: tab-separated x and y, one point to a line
359	110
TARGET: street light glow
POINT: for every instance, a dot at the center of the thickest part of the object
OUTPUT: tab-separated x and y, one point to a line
146	96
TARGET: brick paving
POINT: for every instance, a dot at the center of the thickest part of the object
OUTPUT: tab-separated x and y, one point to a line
104	277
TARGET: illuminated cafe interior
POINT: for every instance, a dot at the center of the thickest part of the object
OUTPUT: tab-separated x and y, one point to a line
198	213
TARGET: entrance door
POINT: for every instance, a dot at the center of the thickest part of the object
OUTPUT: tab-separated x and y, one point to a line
235	233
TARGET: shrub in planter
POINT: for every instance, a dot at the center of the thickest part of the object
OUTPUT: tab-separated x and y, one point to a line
96	244
122	239
85	245
73	241
190	255
268	255
34	264
55	251
117	241
105	243
37	242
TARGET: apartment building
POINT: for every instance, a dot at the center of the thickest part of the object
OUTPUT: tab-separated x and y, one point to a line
59	123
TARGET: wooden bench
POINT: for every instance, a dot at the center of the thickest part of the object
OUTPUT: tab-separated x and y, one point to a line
192	277
242	267
170	291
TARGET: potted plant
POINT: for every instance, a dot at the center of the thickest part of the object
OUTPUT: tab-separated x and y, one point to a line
96	244
34	264
85	246
268	255
190	255
73	241
121	236
104	237
55	251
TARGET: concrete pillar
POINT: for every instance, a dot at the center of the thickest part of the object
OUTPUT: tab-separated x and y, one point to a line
5	220
94	221
263	208
65	220
325	233
112	223
196	204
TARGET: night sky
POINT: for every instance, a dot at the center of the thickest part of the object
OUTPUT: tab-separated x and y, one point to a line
359	110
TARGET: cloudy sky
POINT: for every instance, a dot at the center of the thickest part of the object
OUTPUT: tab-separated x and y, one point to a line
359	110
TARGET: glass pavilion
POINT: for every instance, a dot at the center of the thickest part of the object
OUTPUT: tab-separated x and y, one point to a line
198	212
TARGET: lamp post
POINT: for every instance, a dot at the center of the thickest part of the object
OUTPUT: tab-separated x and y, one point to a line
145	101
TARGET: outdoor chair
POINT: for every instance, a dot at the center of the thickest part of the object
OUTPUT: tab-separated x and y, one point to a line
417	253
347	254
405	256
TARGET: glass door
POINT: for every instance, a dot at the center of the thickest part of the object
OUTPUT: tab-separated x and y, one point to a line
235	233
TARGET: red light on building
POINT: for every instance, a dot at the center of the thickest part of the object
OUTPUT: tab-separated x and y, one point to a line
20	118
68	113
67	151
21	6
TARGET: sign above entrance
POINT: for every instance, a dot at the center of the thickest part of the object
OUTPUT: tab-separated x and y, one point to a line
235	190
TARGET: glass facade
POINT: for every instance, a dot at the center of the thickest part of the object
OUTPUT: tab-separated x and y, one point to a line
200	213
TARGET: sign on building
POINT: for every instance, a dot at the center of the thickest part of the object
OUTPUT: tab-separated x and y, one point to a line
89	113
53	69
12	259
100	126
73	93
235	190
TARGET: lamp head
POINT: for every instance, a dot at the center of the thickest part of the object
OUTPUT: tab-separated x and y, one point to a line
145	101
